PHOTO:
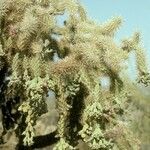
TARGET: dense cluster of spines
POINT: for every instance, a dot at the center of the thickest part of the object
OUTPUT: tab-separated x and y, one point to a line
87	51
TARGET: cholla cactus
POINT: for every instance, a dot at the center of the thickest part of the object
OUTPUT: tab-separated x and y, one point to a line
29	37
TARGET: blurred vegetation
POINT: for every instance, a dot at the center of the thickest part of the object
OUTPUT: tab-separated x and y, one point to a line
140	117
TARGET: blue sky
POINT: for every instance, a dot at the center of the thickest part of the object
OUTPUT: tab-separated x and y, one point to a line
135	14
